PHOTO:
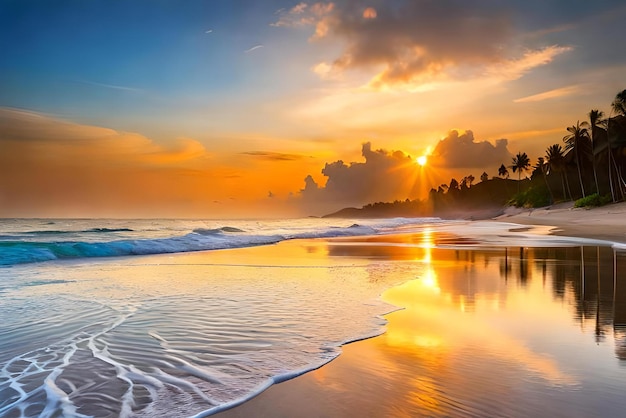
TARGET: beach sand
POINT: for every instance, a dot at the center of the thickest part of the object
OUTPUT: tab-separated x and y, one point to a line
606	222
398	374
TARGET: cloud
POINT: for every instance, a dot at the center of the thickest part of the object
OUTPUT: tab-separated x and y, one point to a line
254	48
113	86
324	70
274	156
550	94
50	167
516	68
370	13
22	130
406	44
302	14
384	176
461	150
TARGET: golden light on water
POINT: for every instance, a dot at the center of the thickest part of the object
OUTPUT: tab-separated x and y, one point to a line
442	314
429	278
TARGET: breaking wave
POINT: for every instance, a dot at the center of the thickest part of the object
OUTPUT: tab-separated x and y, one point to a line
40	245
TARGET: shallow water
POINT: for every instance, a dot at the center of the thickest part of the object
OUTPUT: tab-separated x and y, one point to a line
175	335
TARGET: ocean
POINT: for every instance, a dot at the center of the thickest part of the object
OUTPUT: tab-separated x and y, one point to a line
162	318
119	317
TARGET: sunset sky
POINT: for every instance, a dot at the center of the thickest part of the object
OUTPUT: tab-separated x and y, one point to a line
218	108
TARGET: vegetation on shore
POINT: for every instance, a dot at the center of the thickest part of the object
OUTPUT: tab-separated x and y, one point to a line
589	168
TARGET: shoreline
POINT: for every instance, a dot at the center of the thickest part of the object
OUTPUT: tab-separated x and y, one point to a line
325	390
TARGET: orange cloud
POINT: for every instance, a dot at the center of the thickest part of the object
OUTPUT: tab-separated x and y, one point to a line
30	130
551	94
369	13
274	156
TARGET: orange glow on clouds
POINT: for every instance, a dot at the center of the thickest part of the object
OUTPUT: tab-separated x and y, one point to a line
370	13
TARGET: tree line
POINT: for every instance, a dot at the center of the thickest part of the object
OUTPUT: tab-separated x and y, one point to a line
590	160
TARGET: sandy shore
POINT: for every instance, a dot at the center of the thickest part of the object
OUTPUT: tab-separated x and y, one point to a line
606	222
360	383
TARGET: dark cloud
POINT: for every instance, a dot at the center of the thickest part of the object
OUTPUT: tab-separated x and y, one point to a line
414	39
384	176
415	42
421	38
274	156
463	151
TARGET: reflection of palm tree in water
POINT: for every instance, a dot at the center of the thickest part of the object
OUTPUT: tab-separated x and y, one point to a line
593	289
619	306
599	331
619	335
523	267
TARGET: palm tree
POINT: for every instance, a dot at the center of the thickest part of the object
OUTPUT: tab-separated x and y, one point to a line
576	140
619	104
595	119
521	162
503	172
541	166
556	161
470	179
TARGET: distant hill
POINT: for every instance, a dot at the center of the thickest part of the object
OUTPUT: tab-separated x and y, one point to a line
397	209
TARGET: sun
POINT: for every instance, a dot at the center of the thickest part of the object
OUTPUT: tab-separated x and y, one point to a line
421	160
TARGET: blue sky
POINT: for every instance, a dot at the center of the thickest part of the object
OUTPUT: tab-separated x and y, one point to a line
95	59
317	80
